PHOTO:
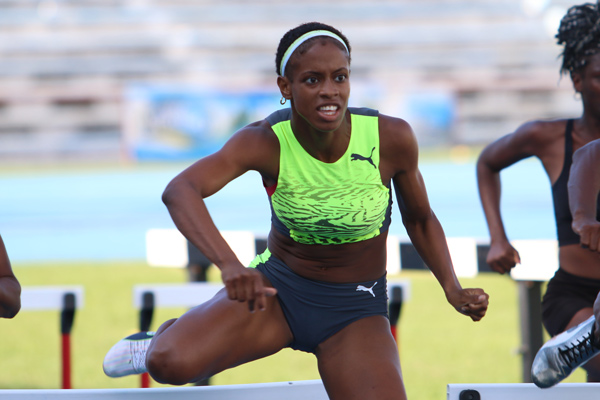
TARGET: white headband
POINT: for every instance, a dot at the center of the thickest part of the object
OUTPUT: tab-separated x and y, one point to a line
309	35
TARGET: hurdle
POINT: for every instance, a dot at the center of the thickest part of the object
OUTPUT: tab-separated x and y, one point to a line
169	248
522	391
147	297
298	390
539	262
66	299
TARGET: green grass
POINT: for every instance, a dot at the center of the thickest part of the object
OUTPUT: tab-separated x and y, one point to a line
437	345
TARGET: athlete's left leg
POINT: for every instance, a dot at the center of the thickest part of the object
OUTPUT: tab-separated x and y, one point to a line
592	367
361	362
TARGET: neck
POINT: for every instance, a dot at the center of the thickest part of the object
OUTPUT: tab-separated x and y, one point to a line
326	146
589	125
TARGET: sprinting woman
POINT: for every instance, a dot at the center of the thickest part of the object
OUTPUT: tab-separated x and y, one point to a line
320	287
570	294
563	353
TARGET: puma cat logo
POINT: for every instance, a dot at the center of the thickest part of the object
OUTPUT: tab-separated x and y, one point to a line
361	288
355	157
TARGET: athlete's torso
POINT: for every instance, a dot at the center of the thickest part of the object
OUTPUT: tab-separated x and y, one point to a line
573	258
334	203
330	215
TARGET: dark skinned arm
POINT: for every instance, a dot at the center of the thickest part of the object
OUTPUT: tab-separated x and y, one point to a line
501	154
10	289
584	186
184	197
423	227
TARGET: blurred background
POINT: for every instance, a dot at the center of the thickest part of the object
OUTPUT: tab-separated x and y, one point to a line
102	102
160	79
143	88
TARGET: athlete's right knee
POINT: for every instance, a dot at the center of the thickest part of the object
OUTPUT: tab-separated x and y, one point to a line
169	366
592	368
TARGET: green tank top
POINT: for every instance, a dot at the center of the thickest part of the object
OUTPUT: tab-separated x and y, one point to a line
315	202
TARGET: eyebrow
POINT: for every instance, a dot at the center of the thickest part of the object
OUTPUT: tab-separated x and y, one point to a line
320	73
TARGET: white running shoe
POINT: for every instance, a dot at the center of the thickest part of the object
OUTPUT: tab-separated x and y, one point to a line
128	356
559	356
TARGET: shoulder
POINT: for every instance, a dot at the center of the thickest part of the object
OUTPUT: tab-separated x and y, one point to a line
278	116
396	134
399	150
542	131
253	147
254	136
540	138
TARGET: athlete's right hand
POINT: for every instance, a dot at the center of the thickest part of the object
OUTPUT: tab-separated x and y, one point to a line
247	285
502	257
470	302
589	233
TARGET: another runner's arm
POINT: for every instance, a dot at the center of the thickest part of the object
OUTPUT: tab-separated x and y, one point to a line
584	187
10	289
422	226
497	156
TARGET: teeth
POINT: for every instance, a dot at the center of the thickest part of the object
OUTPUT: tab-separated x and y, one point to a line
328	108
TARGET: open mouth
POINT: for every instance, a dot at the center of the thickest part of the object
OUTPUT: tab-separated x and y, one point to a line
329	110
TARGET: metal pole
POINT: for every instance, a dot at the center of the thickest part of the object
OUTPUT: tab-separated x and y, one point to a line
530	304
146	313
67	316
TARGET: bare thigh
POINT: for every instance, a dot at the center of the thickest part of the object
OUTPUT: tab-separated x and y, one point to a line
361	362
215	336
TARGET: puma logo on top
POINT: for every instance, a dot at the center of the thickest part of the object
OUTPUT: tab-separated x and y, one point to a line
361	288
363	158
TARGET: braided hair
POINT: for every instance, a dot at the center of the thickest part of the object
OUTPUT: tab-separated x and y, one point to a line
579	33
293	34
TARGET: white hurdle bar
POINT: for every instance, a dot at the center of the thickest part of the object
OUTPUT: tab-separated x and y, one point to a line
169	248
175	295
64	298
523	391
147	297
150	296
299	390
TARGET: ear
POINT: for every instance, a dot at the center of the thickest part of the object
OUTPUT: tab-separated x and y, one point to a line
284	87
577	80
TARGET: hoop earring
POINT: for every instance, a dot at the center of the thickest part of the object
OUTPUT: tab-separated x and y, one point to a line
282	101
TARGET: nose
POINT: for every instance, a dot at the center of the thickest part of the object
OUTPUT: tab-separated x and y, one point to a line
329	88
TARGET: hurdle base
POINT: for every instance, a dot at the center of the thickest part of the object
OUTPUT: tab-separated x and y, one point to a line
300	390
522	391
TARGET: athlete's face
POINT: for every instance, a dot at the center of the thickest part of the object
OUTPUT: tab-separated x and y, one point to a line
587	82
320	85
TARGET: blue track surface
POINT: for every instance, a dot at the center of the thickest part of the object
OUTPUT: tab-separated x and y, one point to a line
103	215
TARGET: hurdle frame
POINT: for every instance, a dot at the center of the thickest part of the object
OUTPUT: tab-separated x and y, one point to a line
67	299
539	261
297	390
522	391
147	297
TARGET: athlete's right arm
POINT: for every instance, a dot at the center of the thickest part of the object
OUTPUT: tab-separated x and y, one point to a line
498	155
254	147
10	289
584	186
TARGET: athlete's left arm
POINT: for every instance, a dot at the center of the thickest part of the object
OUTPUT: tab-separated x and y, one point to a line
399	162
10	289
584	186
